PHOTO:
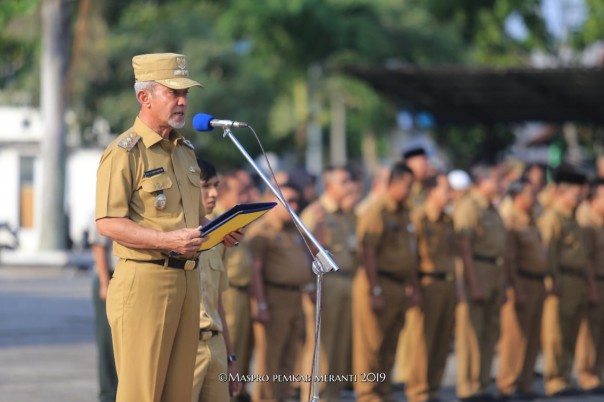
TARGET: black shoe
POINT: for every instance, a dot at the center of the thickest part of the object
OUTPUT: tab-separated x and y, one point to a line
568	391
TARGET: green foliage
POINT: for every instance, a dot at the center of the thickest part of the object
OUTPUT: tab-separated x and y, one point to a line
253	58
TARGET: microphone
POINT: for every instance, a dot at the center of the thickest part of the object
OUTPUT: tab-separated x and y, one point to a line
207	122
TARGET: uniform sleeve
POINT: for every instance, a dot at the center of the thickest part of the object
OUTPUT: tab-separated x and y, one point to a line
512	242
370	227
114	186
550	232
258	240
465	218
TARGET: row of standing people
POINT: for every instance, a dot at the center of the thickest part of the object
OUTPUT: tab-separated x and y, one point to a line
409	258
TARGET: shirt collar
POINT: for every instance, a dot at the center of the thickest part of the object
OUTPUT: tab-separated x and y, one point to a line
149	136
481	199
390	203
562	210
328	204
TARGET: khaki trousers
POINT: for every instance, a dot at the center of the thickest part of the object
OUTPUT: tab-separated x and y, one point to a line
154	317
336	336
590	346
429	357
278	343
375	336
210	364
406	345
562	318
476	341
238	313
519	340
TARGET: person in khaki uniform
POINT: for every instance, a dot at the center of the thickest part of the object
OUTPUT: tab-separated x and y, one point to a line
437	251
521	314
214	351
567	304
238	263
417	160
281	268
482	246
590	342
148	203
335	230
387	247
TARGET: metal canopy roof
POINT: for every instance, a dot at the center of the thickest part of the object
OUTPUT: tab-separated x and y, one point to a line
462	96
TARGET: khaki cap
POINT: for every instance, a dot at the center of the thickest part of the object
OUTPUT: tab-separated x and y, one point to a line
168	69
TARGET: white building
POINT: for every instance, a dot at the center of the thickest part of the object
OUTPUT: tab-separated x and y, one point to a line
21	134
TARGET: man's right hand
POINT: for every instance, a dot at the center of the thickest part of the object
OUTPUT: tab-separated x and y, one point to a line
184	241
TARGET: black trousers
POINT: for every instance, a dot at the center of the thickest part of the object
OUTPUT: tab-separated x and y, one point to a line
105	359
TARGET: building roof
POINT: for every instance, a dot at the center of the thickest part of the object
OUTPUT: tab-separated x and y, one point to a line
488	95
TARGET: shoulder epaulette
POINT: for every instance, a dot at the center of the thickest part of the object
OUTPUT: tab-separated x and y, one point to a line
129	141
188	143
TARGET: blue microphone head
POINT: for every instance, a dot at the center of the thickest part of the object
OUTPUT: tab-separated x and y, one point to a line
201	122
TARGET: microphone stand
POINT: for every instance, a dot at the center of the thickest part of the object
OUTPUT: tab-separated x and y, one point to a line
322	261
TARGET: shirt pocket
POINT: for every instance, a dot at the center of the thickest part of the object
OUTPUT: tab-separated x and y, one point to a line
216	263
152	190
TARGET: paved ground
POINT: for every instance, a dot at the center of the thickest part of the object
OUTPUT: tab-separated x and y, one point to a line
46	339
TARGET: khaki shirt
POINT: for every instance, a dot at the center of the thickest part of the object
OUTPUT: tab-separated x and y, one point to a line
237	260
593	225
338	232
285	259
137	165
526	251
436	241
213	281
418	196
564	239
386	226
478	219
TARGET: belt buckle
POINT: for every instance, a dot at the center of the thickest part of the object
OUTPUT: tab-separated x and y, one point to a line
449	277
190	265
499	261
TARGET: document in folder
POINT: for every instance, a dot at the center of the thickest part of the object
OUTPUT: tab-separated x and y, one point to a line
233	219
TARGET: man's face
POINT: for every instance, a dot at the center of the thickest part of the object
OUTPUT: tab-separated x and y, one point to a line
401	187
597	203
571	194
234	193
340	184
291	197
528	197
209	193
169	105
441	194
420	166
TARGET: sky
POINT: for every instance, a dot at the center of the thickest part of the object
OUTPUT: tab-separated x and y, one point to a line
560	16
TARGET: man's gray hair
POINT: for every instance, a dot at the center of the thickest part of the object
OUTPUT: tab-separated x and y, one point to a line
482	171
144	86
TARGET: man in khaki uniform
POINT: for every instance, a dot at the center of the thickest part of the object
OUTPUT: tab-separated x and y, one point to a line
386	242
215	355
482	246
148	203
238	263
590	344
568	262
417	160
335	230
281	267
521	314
437	251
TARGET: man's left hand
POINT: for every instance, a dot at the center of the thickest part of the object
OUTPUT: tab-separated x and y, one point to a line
233	238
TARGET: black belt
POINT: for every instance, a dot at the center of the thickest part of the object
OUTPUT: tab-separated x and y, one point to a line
205	334
172	263
392	277
530	275
489	260
241	288
572	272
283	286
441	276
